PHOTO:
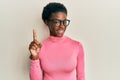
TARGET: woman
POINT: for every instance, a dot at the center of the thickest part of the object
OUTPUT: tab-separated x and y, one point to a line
58	57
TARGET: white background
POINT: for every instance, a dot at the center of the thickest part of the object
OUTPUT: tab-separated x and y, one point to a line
95	23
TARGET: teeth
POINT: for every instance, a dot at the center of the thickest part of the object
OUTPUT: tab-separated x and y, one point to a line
60	31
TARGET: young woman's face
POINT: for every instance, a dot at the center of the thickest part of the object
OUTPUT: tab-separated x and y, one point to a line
57	24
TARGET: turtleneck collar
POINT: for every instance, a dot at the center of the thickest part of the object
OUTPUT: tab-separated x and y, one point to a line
55	39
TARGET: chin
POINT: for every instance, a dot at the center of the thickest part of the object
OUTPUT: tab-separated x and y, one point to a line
60	35
57	35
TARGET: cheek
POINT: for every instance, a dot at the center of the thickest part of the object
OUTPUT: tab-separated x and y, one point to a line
55	29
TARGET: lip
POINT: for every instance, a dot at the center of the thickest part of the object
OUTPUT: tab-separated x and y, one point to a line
60	31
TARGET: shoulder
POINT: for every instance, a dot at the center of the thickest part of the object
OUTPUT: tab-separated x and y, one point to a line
73	41
77	45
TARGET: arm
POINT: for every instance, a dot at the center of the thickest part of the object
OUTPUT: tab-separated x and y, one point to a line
80	64
35	70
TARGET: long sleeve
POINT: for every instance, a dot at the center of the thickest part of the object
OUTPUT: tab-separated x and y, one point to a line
80	64
35	70
59	59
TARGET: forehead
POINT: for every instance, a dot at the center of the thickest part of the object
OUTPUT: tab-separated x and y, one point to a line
58	15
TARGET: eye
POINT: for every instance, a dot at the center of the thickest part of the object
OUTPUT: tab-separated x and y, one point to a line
55	21
66	22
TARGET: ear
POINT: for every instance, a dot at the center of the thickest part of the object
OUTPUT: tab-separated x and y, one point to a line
46	22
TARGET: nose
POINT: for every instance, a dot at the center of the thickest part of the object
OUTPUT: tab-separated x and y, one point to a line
62	24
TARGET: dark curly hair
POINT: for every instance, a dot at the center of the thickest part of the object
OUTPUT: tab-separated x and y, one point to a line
52	7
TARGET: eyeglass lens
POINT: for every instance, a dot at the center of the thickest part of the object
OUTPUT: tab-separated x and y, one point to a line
60	22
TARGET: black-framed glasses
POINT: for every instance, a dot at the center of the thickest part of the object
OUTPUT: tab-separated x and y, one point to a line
57	23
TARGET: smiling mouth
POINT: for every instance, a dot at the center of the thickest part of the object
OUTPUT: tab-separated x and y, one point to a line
60	31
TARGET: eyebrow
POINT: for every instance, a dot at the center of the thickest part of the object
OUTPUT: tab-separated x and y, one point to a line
58	19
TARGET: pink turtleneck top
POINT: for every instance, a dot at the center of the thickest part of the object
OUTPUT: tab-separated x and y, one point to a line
59	59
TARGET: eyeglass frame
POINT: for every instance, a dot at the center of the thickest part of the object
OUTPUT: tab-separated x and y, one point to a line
60	22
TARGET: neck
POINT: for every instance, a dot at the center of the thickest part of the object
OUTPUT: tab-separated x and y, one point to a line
56	38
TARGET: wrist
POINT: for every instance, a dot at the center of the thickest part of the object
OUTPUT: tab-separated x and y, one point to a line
34	57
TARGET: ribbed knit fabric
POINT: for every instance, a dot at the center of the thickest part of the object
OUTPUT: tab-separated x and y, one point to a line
59	59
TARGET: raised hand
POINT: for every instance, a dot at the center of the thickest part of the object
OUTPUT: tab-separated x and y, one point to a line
34	47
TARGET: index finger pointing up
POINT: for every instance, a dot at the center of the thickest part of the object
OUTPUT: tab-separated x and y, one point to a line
34	35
